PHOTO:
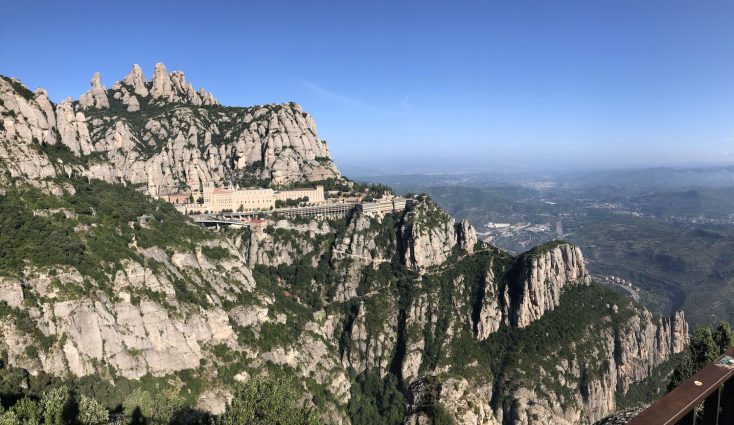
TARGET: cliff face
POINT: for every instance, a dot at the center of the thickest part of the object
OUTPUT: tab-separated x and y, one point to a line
330	299
28	120
542	275
558	390
429	236
134	289
161	133
118	328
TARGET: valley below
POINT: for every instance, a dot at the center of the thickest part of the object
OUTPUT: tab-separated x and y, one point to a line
672	237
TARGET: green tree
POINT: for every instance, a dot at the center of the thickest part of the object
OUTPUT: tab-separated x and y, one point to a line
28	411
724	337
91	412
376	400
267	401
142	407
9	418
703	348
57	406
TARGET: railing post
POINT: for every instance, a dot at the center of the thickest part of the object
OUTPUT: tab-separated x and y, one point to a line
711	408
689	418
727	403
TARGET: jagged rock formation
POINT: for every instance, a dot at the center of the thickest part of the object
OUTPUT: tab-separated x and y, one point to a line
132	336
96	97
491	314
165	87
541	280
462	327
639	346
135	321
28	119
429	236
162	133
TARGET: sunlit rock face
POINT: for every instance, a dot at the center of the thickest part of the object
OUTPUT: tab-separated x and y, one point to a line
410	296
164	134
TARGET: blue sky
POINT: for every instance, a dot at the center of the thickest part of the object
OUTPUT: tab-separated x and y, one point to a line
423	86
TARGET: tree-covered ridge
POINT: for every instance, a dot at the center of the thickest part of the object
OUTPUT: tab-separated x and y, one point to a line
261	401
328	302
91	228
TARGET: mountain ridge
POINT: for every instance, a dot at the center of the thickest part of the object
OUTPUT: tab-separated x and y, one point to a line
174	137
100	281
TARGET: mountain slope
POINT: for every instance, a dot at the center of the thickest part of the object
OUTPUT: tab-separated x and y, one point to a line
168	137
383	318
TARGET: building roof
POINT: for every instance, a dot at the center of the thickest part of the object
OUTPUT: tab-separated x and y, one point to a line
298	189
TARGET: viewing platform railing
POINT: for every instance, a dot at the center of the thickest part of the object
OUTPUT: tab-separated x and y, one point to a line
706	398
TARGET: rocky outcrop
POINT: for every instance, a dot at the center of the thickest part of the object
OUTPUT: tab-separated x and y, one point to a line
646	342
679	331
96	97
536	282
132	104
73	129
173	88
162	87
461	400
11	292
466	236
429	236
542	274
282	244
630	354
27	122
421	316
358	248
163	148
138	325
373	337
136	81
491	314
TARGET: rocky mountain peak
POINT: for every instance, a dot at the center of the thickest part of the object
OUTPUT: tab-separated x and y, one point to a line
96	97
139	142
162	85
136	80
96	81
430	235
168	87
544	272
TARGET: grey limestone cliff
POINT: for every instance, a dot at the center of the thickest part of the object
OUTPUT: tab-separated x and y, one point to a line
461	327
161	133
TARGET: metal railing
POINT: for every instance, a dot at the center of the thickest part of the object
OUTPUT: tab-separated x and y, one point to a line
706	398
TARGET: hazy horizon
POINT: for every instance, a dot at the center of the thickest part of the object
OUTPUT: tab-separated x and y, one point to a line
426	86
352	167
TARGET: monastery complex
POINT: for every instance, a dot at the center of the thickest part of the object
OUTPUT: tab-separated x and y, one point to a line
215	199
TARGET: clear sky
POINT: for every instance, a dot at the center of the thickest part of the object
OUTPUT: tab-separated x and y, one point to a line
548	84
